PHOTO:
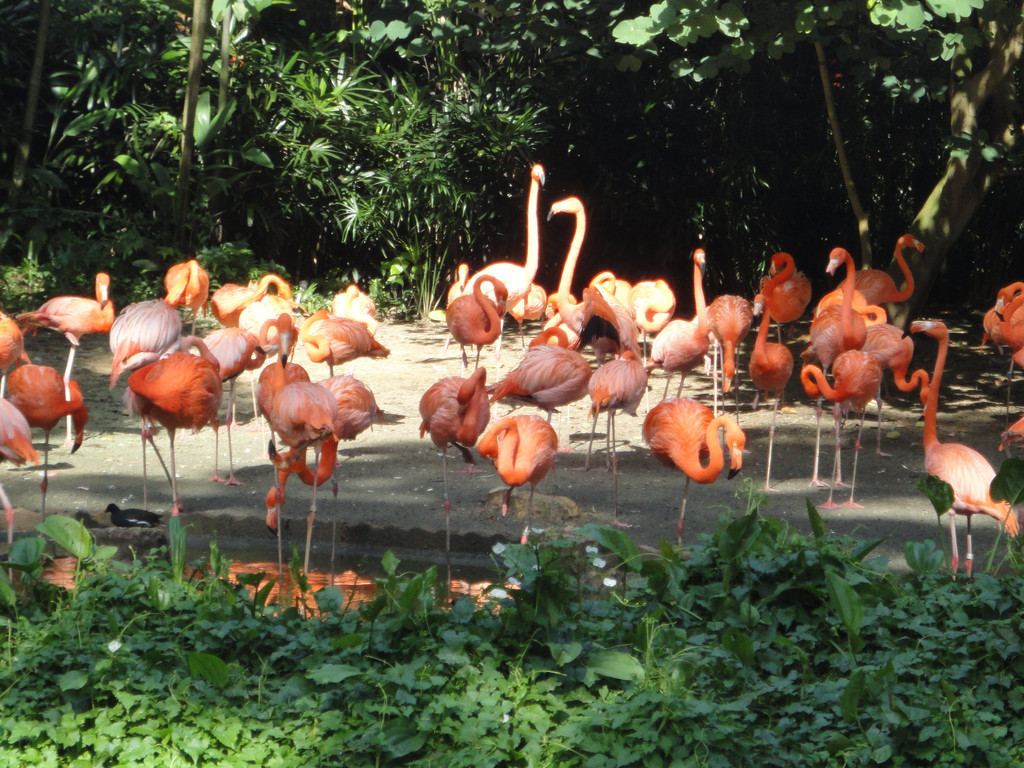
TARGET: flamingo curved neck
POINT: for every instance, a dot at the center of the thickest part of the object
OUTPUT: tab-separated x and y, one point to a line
699	302
566	308
908	276
487	306
930	436
532	232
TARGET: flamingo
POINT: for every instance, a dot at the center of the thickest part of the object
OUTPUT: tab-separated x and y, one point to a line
337	340
683	433
256	314
15	447
179	391
893	350
12	348
652	303
1012	331
1013	434
230	299
878	287
459	286
857	376
141	334
38	392
612	287
993	319
455	411
547	377
771	366
301	414
967	471
788	298
188	285
682	344
595	318
475	319
236	350
353	304
618	385
730	318
517	278
523	449
530	308
74	316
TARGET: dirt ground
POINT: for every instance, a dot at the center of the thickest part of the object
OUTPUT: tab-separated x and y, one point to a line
390	478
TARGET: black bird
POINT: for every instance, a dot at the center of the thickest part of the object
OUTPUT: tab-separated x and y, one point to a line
132	518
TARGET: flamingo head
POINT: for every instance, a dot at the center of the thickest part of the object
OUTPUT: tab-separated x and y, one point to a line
568	205
909	241
758	305
699	258
934	328
537	174
736	440
835	258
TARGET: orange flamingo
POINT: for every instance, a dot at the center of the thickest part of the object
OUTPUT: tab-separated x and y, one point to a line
878	287
1012	330
230	299
652	303
993	320
188	285
857	376
683	433
476	319
454	411
74	316
15	447
301	414
788	298
683	344
337	340
547	377
1013	434
530	308
12	348
459	286
612	287
353	304
38	392
893	350
179	391
595	319
967	471
256	314
730	318
141	334
517	278
523	449
236	350
771	366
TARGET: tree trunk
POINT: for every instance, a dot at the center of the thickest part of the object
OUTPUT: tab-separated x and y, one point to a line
200	18
34	86
982	104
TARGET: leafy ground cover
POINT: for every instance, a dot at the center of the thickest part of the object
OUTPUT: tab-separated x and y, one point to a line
757	646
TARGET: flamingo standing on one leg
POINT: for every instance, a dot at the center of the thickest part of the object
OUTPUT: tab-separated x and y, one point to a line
857	378
788	298
15	447
12	348
517	278
530	308
188	285
179	391
236	350
523	449
730	318
74	316
967	471
475	319
683	344
771	366
338	340
652	303
38	392
618	385
683	433
893	350
455	411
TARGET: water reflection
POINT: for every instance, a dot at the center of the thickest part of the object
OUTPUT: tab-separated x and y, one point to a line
356	588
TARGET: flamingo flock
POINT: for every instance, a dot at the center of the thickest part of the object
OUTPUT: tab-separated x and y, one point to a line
595	347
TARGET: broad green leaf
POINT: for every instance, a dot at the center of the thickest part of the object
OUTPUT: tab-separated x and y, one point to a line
846	602
74	680
740	644
923	556
209	667
818	526
738	535
620	544
7	593
68	534
938	492
617	665
1008	484
402	737
329	599
327	674
257	156
563	653
849	702
390	563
